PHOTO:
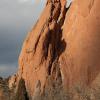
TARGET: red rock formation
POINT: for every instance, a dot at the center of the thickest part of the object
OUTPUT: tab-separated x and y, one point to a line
81	32
62	47
40	49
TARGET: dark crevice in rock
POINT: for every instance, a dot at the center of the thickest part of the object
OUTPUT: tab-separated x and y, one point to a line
49	43
46	44
91	5
42	30
58	45
36	44
21	93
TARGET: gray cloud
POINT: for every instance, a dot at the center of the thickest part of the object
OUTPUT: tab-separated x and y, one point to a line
7	70
16	19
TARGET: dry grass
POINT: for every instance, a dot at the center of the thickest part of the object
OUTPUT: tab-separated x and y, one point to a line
78	93
53	92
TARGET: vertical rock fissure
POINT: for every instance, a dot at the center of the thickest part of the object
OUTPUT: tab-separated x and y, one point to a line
48	45
56	35
21	93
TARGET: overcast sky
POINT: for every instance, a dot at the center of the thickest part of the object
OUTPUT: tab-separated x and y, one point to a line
16	18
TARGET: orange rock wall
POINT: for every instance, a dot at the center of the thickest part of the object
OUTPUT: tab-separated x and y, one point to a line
69	38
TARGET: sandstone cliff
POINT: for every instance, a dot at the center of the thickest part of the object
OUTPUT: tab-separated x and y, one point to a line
61	51
42	48
63	45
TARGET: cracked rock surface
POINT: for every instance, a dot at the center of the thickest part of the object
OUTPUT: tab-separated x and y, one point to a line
43	46
63	46
61	50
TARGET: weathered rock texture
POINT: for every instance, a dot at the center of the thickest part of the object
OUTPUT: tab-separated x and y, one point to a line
43	46
63	46
81	31
61	51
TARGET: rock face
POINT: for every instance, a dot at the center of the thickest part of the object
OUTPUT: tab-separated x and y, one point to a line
63	47
43	46
81	31
60	52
